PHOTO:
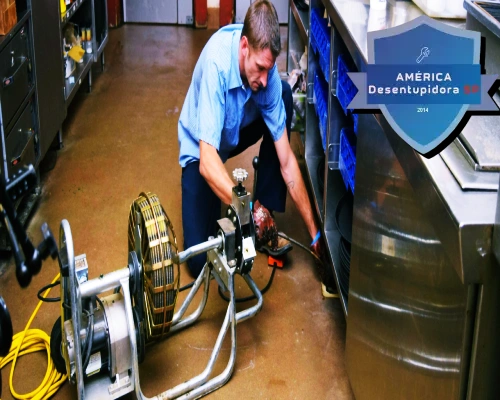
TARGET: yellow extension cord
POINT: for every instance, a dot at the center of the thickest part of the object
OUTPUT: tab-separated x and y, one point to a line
30	341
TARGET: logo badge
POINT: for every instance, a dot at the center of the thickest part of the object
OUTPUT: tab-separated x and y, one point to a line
425	78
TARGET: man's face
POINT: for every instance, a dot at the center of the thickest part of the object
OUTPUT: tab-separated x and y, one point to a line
256	66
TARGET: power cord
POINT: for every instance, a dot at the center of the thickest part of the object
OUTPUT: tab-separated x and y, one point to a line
30	341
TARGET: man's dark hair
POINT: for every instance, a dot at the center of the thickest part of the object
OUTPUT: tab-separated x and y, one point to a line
261	27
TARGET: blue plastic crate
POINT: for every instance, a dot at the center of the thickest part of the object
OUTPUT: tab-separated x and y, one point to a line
320	41
346	90
347	159
355	121
321	105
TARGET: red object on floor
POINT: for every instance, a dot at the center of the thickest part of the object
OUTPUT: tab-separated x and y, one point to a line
200	13
114	13
226	12
275	262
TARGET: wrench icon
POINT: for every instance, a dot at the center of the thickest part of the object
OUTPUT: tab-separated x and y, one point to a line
423	53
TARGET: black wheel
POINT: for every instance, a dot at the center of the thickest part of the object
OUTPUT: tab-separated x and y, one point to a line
55	347
5	329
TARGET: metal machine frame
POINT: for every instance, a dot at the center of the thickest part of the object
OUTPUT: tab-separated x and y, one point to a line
231	252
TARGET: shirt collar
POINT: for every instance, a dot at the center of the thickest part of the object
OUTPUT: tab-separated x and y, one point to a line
235	78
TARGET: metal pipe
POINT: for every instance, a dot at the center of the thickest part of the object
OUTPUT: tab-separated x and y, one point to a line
223	377
177	323
192	251
195	382
252	311
103	283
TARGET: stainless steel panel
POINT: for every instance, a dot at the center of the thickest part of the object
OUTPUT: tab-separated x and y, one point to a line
241	10
354	19
185	12
481	138
481	20
280	5
49	70
298	40
467	177
496	232
20	144
464	218
282	10
409	313
150	11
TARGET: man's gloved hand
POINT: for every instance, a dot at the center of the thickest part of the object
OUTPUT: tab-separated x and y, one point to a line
265	228
317	247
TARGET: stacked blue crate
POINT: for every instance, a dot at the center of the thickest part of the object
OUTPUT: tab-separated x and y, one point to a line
320	41
321	106
346	90
347	159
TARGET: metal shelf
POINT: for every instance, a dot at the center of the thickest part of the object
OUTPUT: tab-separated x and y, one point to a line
312	166
101	48
70	12
80	71
302	20
336	189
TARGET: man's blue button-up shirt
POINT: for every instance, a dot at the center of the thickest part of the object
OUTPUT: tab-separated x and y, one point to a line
218	105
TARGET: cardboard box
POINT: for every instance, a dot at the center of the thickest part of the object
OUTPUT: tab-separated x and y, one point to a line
4	4
8	17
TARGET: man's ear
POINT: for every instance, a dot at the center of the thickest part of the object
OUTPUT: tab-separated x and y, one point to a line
244	46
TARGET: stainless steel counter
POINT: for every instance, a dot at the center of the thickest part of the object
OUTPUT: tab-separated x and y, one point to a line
357	19
461	200
424	284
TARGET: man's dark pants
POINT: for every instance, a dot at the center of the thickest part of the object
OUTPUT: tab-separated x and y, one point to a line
201	208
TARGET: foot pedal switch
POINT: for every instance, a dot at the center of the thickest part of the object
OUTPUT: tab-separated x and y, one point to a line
277	262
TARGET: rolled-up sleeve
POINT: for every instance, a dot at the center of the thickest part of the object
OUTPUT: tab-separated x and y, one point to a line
211	106
271	105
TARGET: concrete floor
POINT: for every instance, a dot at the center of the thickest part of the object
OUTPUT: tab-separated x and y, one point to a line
121	140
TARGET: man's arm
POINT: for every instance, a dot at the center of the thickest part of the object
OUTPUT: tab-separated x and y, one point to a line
294	182
214	172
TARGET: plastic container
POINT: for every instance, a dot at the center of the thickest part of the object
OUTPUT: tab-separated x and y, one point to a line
321	106
347	159
346	90
443	8
320	41
355	122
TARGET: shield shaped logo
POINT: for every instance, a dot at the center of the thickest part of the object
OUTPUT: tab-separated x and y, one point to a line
424	76
424	42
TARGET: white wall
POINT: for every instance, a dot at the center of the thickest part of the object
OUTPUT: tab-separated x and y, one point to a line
213	3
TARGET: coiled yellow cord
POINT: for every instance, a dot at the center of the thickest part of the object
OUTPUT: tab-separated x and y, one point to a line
30	341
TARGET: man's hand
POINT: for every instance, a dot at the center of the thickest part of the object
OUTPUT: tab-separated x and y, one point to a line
318	249
321	264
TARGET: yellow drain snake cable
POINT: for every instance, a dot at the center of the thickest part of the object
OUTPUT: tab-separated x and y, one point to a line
30	341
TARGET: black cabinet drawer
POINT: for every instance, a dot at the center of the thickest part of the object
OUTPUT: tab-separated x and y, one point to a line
15	75
21	144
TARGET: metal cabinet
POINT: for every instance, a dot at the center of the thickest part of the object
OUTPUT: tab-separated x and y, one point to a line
55	92
18	116
19	127
49	69
322	164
